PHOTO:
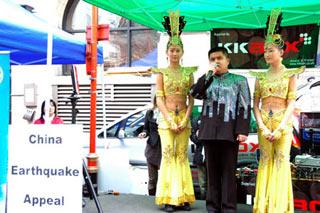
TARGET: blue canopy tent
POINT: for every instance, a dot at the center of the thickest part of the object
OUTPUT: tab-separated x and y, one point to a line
26	36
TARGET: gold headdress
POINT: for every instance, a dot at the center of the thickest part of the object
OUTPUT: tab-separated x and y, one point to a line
273	25
173	24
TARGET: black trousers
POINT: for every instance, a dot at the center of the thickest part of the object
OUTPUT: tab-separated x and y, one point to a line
153	178
221	159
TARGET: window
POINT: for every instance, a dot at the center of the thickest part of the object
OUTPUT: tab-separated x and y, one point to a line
111	132
134	125
129	127
144	48
117	53
130	44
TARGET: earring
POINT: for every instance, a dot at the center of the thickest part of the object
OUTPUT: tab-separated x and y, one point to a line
181	61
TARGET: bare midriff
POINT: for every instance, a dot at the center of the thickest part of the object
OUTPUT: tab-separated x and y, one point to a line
175	102
273	104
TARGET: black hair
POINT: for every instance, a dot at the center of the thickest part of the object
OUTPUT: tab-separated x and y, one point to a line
219	49
170	44
282	47
43	105
154	101
277	28
279	43
167	26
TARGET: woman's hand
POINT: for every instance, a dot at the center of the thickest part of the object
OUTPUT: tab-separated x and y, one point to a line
277	133
174	127
272	136
183	124
172	124
266	133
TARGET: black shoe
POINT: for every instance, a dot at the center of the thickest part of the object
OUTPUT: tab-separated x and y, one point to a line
152	192
185	207
168	208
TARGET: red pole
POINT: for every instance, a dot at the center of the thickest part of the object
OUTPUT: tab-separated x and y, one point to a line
92	156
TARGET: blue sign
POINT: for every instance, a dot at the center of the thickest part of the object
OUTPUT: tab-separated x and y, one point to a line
4	120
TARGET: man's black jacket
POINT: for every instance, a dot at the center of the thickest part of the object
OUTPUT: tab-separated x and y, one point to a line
226	106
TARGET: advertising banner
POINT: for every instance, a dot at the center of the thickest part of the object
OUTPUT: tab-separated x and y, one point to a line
246	46
4	122
45	169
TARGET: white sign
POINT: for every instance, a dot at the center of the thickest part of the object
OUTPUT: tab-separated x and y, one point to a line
45	169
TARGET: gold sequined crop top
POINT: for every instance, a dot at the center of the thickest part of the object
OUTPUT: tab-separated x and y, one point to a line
275	87
176	82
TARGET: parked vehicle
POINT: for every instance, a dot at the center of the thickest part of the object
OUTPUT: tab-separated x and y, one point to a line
121	154
122	164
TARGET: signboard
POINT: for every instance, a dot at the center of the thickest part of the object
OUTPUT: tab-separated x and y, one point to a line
246	46
45	169
4	122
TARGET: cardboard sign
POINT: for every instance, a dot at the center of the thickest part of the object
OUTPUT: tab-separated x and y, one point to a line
45	169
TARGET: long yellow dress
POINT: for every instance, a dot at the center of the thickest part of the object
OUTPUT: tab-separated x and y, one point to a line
175	186
274	186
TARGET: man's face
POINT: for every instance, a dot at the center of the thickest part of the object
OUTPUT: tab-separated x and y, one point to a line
221	60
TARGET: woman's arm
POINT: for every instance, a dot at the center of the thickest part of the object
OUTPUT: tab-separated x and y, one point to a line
256	103
257	113
185	120
161	104
190	99
290	104
160	96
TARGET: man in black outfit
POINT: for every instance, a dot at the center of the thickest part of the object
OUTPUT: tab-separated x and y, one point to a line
198	159
153	147
224	124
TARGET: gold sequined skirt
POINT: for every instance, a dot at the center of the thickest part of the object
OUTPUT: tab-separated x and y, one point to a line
273	184
175	186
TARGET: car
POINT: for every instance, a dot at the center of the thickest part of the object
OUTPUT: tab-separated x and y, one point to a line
122	164
121	154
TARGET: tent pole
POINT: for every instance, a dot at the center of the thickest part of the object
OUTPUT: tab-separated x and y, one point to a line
92	156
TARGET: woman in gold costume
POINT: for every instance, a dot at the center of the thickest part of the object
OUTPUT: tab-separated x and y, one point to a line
175	187
275	93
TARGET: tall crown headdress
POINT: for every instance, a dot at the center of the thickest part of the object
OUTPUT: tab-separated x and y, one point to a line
174	24
273	26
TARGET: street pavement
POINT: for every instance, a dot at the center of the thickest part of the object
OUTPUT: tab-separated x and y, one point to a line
129	203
